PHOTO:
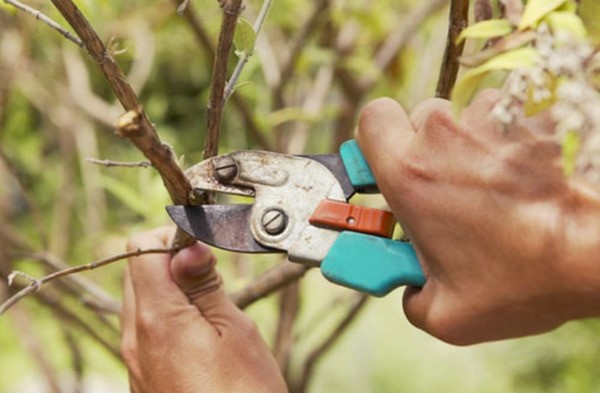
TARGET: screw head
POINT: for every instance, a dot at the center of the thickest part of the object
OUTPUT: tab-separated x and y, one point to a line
226	169
274	222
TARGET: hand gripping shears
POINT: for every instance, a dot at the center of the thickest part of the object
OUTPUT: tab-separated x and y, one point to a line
300	207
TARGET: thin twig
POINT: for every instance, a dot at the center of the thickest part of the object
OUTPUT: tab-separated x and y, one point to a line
91	295
204	40
258	24
126	164
272	280
45	19
36	284
458	20
136	126
231	10
320	350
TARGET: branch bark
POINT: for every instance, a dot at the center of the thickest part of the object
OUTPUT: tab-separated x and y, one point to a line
271	281
319	351
459	15
36	284
231	11
135	125
203	39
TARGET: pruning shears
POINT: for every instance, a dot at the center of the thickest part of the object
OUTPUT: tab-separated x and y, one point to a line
301	208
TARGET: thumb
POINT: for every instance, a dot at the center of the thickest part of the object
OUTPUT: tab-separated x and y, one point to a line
193	270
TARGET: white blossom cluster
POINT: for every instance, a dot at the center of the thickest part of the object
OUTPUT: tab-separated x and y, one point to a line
570	64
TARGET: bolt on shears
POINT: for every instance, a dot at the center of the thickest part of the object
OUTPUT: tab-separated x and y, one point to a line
301	208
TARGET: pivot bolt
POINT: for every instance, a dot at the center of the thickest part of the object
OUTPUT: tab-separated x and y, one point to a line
226	169
274	222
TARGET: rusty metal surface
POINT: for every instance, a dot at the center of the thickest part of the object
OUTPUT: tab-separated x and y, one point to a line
293	185
222	226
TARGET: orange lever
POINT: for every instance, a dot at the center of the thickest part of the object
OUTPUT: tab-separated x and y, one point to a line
343	216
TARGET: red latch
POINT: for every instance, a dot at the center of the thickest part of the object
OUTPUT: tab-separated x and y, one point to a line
344	216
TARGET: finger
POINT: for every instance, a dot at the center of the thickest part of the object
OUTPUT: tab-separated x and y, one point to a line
423	111
155	291
384	130
127	317
417	303
193	271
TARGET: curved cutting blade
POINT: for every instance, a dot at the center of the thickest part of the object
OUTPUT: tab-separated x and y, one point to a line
222	226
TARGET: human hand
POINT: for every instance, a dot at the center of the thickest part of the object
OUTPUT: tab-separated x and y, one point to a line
508	244
180	331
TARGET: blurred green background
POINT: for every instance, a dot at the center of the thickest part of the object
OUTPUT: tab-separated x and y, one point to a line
56	111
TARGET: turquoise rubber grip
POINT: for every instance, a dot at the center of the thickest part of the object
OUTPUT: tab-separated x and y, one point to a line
358	169
371	264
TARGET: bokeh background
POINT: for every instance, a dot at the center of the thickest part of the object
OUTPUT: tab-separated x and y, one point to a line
316	63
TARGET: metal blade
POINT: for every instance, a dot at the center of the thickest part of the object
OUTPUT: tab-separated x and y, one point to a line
222	226
334	163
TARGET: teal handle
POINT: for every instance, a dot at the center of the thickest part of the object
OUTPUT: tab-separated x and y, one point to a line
371	264
358	169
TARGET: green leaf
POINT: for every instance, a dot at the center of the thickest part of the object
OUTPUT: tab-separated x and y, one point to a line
570	148
469	82
486	29
244	38
567	21
589	11
536	10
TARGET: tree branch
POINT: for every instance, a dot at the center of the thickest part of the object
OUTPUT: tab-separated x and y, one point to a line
289	304
45	19
459	15
135	125
258	24
319	351
203	39
36	284
272	280
231	11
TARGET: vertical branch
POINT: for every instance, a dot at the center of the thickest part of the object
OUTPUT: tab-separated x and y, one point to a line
459	15
319	351
284	340
231	11
258	24
203	39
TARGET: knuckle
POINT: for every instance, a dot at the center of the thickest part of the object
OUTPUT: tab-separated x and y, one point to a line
149	325
248	327
374	109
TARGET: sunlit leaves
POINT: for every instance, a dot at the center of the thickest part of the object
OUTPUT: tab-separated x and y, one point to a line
589	11
470	81
567	22
486	29
536	10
